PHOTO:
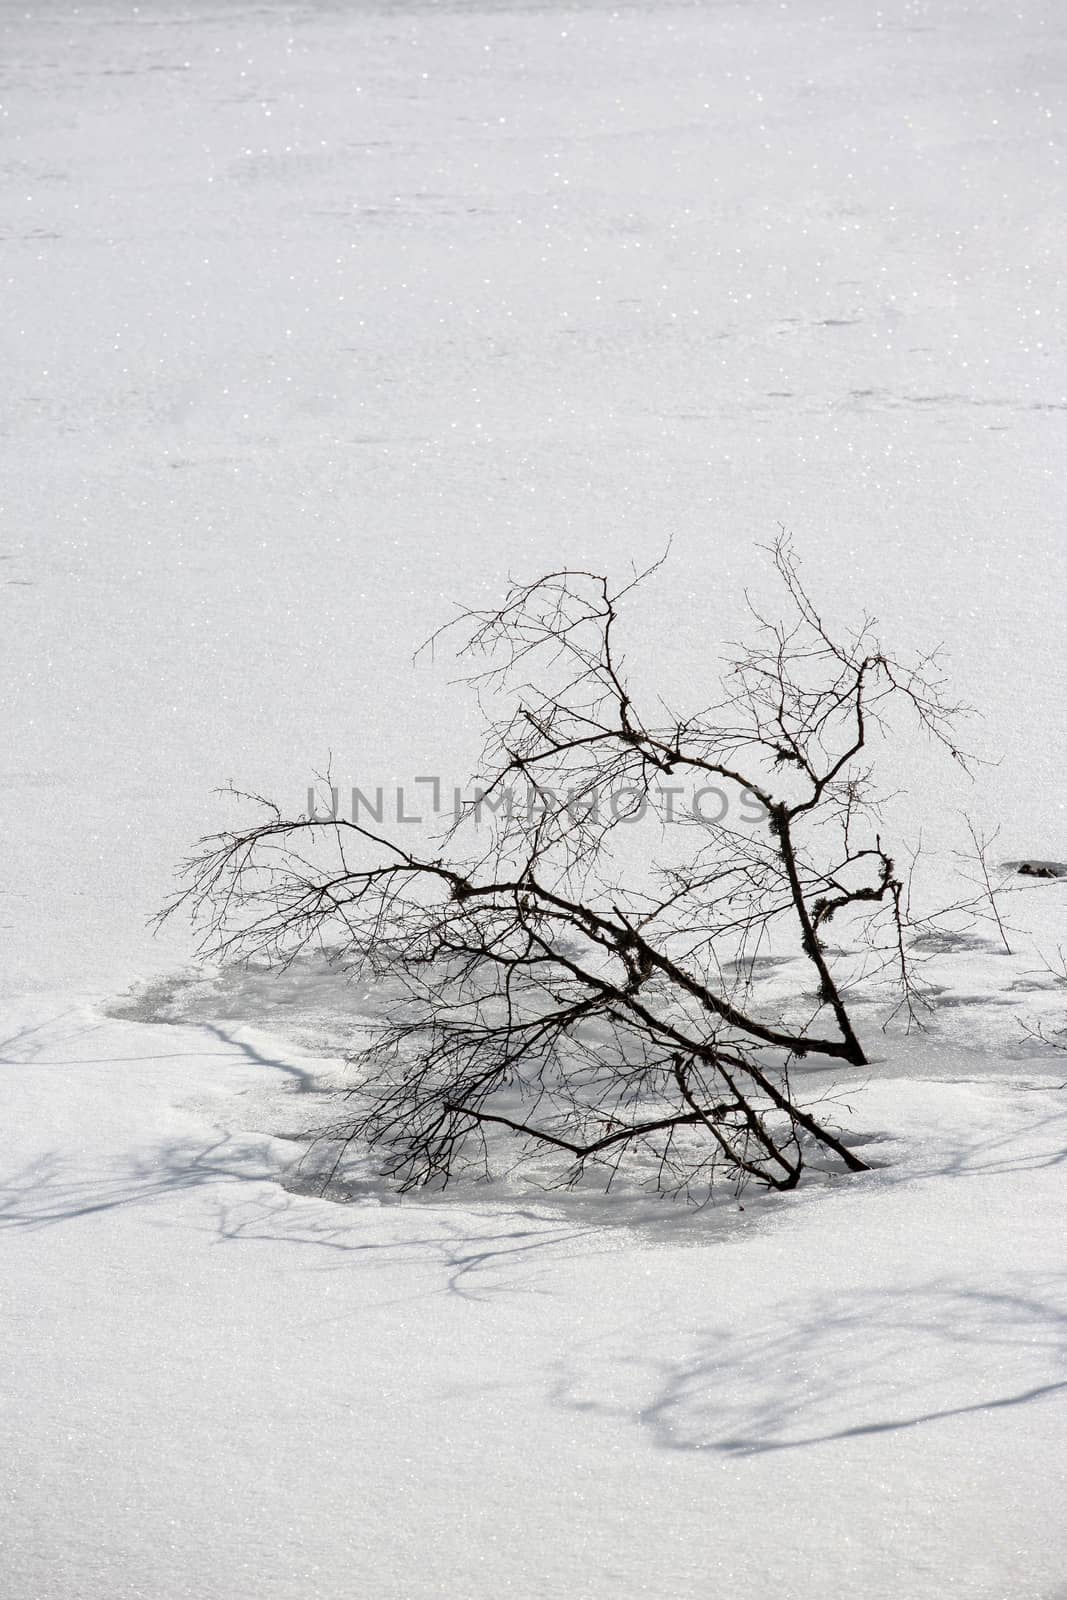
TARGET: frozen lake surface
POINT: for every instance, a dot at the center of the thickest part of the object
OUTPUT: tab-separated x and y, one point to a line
316	318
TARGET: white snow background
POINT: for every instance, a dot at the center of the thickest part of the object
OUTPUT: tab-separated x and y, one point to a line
316	318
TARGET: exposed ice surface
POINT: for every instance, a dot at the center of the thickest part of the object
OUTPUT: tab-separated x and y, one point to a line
316	318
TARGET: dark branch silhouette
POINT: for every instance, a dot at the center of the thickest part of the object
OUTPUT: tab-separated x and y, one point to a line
543	997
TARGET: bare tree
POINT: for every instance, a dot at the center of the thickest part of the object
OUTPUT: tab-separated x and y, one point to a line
989	895
547	991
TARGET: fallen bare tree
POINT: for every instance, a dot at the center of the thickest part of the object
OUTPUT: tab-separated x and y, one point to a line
545	991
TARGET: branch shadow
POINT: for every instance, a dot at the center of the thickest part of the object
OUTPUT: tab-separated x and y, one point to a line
51	1189
889	1361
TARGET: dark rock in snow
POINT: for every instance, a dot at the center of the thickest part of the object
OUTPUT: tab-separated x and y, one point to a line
1037	869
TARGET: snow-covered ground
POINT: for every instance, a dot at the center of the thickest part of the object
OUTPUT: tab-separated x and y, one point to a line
217	1386
314	318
